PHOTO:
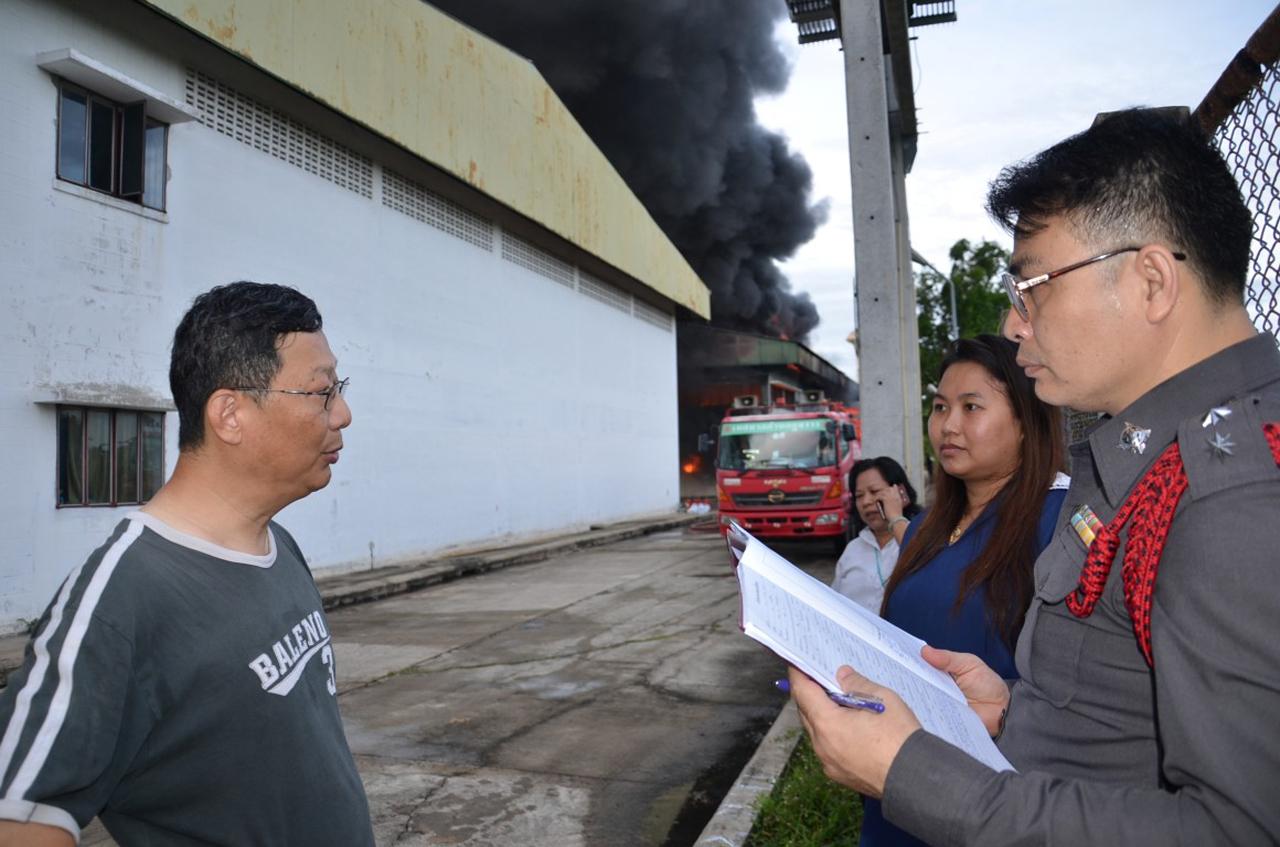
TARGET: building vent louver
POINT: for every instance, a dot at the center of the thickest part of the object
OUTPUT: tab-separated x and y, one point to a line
653	315
423	204
604	292
522	253
229	112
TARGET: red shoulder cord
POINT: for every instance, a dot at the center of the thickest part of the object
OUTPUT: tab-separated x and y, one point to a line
1151	505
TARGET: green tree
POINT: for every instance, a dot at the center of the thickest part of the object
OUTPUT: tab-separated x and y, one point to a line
980	303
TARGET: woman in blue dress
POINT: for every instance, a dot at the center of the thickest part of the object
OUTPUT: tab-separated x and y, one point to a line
964	578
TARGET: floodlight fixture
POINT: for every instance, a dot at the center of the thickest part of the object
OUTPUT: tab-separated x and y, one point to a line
929	12
817	20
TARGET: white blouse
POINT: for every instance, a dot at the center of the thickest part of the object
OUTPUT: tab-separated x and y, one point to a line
864	568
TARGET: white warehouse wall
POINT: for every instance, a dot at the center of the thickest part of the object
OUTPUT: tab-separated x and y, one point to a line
489	401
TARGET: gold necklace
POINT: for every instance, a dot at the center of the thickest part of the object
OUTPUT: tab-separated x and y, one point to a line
961	526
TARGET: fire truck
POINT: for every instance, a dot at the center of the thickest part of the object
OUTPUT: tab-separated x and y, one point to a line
782	471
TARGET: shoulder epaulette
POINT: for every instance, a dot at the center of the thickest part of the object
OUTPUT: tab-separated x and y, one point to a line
1225	447
1148	510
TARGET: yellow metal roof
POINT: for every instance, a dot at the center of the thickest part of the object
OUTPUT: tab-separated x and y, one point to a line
463	103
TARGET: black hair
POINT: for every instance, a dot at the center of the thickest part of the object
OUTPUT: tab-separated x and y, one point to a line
893	474
1135	177
229	338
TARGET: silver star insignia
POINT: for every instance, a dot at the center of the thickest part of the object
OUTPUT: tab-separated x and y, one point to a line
1134	438
1222	445
1217	413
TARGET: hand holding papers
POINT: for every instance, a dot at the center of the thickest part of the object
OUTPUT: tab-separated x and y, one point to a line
817	630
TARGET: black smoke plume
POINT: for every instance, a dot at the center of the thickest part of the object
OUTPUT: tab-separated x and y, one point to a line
665	89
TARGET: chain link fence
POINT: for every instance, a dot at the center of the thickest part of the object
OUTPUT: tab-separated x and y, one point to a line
1242	111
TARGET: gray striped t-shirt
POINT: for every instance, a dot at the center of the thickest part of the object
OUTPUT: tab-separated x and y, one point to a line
185	694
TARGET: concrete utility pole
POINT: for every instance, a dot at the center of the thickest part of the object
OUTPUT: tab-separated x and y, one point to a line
882	144
884	288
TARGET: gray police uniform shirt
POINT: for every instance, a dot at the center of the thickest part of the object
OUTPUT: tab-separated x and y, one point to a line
1108	750
186	694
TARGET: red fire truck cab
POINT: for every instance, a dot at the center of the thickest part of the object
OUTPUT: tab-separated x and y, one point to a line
783	471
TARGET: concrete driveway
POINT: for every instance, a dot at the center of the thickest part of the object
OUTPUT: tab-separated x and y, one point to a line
576	701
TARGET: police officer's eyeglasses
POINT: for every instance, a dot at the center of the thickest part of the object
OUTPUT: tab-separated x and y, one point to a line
336	390
1014	287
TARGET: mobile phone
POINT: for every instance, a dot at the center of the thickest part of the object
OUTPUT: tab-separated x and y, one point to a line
880	509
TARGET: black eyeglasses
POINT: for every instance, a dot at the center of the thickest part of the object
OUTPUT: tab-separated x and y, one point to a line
1014	287
338	389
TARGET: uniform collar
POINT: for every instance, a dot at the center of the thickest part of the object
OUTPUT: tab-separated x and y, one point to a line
1226	374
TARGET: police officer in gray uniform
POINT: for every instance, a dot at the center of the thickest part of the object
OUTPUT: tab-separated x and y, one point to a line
1150	662
181	685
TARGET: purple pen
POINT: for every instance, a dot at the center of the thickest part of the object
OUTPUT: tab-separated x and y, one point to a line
849	701
853	700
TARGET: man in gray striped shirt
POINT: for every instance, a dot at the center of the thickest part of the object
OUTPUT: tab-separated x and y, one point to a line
181	685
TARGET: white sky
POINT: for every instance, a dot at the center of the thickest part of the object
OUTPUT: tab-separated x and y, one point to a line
1006	80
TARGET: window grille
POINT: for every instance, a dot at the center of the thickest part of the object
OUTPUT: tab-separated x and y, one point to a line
604	292
521	252
108	457
422	204
229	112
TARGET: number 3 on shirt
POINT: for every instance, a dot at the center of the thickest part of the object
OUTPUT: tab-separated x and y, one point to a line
326	656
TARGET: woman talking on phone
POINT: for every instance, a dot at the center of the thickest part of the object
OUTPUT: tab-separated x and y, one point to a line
884	502
964	577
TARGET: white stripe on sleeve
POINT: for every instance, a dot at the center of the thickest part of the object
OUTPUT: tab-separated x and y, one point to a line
52	725
22	703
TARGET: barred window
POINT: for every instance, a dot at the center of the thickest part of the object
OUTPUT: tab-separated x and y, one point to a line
109	457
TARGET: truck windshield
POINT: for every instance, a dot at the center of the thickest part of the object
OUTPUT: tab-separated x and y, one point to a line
759	445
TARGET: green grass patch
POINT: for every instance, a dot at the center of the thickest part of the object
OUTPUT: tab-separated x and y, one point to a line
805	809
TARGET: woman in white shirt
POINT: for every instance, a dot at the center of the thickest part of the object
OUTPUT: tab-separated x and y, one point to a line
884	503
